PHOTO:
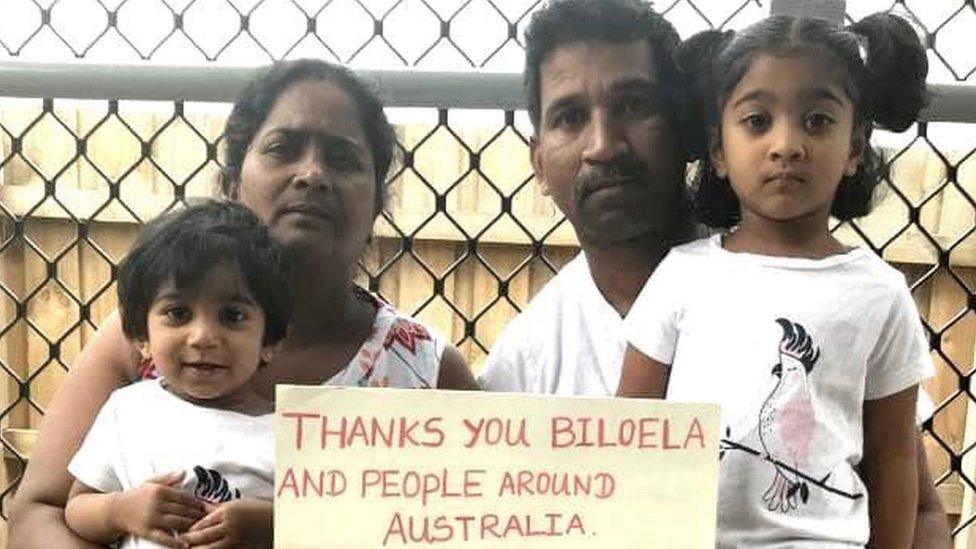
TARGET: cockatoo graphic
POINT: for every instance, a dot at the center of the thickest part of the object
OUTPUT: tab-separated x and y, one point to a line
212	487
786	419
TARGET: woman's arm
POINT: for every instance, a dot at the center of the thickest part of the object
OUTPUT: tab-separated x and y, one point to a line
890	468
454	372
931	526
37	515
642	376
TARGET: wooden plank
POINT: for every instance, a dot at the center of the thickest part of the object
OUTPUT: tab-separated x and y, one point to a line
13	345
951	497
20	200
22	440
50	309
948	299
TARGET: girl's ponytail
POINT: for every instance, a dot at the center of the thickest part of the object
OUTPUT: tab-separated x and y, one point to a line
896	66
694	58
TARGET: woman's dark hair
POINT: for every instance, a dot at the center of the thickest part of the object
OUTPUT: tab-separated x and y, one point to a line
565	22
886	87
258	97
184	246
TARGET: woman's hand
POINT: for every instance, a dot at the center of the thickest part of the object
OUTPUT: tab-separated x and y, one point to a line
245	522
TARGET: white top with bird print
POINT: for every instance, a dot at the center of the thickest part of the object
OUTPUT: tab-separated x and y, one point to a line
144	431
790	348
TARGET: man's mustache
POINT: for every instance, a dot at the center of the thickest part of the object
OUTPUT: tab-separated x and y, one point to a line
623	170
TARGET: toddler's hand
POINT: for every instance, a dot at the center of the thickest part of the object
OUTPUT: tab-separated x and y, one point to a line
238	523
156	510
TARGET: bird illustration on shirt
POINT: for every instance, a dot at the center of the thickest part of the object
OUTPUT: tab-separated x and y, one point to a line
786	419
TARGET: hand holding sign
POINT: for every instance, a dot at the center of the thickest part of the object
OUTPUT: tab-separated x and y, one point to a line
389	468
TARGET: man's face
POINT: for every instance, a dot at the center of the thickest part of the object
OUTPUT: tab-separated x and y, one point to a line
605	151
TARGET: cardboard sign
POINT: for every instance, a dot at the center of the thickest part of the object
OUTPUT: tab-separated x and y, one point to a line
373	468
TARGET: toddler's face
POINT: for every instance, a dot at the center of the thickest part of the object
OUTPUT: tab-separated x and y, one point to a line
206	341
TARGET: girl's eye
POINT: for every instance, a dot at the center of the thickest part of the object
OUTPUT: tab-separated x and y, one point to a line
755	122
177	314
232	316
818	121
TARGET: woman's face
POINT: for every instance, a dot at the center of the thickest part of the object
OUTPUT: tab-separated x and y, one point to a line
308	173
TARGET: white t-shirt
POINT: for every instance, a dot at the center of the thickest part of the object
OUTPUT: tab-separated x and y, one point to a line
568	341
791	348
143	431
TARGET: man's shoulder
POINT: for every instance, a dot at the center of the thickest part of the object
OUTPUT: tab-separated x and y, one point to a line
529	338
565	285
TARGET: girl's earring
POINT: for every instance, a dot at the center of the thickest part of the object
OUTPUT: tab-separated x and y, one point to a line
144	351
266	355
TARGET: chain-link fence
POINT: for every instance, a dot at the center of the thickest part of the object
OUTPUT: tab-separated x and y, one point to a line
89	152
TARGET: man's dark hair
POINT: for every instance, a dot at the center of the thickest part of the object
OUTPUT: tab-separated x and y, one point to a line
184	246
564	22
258	97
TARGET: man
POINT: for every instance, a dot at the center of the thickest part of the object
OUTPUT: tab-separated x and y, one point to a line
606	103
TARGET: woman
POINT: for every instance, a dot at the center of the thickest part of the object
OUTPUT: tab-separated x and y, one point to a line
308	150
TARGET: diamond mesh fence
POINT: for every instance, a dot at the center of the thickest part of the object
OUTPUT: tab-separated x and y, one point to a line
466	239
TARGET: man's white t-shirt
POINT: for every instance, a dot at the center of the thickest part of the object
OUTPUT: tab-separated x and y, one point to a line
791	348
568	341
143	431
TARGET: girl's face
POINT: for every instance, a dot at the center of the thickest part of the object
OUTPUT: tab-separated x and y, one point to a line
308	173
206	341
787	138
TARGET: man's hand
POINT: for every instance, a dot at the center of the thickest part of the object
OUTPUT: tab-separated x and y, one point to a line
157	511
238	523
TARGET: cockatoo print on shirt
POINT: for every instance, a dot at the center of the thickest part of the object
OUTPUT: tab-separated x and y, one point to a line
787	422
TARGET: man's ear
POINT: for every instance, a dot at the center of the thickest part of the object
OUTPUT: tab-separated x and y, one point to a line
859	141
715	152
535	155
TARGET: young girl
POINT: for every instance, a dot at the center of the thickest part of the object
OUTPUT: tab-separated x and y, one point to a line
200	294
813	349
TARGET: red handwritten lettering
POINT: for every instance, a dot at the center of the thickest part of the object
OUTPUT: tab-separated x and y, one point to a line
648	432
317	483
408	529
425	486
300	416
695	432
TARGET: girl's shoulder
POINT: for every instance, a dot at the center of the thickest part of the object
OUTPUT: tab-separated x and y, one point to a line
873	269
692	254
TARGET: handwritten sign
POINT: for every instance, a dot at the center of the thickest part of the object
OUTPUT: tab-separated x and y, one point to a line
381	468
